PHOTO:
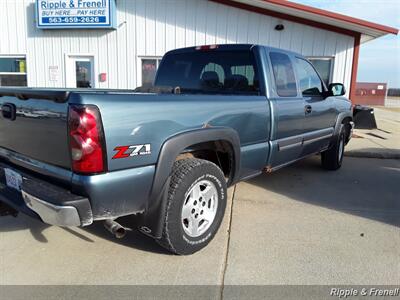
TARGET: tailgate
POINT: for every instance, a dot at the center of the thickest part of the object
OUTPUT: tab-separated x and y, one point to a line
33	123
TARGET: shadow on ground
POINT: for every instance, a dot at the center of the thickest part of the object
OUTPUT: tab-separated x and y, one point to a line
133	239
367	188
21	222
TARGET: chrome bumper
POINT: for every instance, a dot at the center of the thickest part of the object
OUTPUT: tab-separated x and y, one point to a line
46	200
52	214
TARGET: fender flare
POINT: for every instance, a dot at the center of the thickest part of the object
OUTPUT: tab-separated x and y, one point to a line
152	220
339	120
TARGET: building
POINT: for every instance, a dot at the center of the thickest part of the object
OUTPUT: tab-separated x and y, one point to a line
119	43
370	93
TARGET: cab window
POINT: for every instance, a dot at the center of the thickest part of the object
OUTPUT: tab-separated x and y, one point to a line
215	70
310	82
246	71
210	72
285	79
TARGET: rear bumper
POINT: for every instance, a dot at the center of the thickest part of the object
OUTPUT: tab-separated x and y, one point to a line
50	203
95	197
51	213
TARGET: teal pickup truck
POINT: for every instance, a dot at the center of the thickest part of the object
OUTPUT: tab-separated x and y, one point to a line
166	153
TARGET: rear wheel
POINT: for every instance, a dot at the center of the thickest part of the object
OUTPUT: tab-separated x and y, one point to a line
196	206
332	159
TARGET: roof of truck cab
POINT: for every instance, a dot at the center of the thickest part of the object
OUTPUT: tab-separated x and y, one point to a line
231	47
218	48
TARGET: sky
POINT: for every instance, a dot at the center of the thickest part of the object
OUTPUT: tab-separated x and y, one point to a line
380	58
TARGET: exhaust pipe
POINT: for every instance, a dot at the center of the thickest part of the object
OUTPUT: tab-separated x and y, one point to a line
115	228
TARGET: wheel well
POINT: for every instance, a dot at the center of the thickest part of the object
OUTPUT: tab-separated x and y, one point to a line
219	152
346	122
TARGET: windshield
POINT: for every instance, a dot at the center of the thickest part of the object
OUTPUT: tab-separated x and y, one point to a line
210	72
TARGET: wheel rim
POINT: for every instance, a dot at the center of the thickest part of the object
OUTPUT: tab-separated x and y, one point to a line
200	208
341	150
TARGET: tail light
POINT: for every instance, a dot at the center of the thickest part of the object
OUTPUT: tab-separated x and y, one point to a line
86	139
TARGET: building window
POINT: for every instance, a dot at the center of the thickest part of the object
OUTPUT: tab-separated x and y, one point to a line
149	69
13	71
324	67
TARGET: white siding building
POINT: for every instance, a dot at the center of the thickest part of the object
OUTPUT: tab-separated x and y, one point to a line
145	30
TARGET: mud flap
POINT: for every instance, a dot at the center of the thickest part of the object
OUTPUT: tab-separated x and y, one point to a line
364	117
151	222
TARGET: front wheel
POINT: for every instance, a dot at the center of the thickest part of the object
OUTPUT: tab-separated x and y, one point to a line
195	206
332	159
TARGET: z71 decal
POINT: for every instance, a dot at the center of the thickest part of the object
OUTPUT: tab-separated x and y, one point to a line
131	151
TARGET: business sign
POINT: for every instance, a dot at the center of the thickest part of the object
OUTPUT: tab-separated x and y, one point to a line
61	14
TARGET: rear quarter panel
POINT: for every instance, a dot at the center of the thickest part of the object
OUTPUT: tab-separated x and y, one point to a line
136	119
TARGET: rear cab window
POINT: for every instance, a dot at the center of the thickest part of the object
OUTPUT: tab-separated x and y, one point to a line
210	72
285	80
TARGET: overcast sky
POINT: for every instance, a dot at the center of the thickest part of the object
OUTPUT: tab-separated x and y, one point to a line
380	58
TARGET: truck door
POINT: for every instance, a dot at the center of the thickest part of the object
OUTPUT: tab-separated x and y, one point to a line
319	111
288	111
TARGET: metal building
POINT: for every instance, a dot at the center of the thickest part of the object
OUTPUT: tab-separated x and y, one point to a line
370	93
41	48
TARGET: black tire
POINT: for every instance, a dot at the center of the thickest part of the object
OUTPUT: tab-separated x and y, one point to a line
332	158
186	174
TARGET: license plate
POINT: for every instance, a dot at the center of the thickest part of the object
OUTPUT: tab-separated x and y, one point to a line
13	179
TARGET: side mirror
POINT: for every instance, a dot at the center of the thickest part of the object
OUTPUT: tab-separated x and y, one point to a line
337	89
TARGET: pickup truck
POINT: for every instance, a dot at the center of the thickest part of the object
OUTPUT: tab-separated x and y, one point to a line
166	153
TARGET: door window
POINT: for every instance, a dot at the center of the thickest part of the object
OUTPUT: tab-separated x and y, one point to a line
13	71
80	72
83	74
310	83
285	79
324	68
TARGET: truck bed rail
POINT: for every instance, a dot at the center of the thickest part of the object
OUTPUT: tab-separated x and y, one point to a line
59	96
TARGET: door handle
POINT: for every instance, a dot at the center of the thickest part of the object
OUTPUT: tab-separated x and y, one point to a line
308	109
